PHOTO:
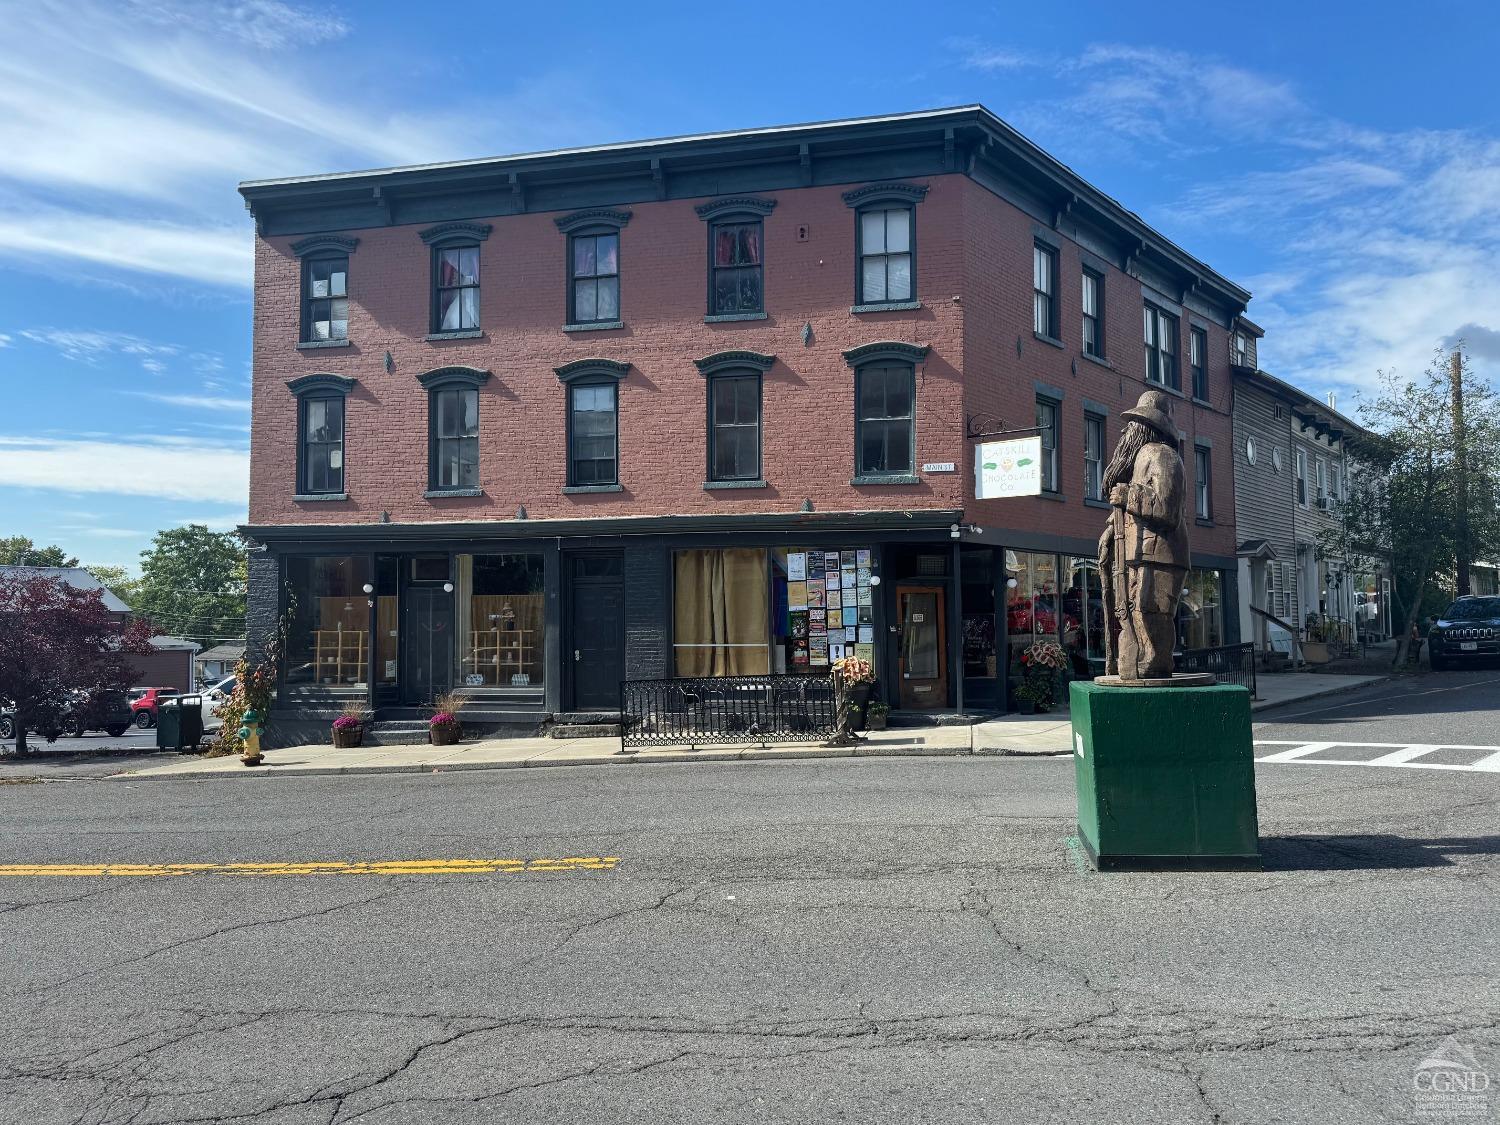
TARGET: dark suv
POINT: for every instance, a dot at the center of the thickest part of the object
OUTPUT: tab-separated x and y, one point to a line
1469	629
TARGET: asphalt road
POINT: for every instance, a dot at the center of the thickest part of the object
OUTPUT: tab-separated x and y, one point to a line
872	940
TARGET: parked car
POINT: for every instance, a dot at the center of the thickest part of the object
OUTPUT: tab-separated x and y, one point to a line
1469	629
143	701
214	700
104	711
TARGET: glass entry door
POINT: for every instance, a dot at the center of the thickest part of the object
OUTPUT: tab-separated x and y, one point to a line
923	661
428	636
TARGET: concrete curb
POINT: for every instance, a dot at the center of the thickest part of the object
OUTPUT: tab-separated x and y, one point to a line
659	758
1267	704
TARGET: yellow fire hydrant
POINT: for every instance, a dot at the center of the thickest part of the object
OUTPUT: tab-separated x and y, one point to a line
250	736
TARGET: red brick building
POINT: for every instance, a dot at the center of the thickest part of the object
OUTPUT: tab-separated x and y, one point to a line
535	424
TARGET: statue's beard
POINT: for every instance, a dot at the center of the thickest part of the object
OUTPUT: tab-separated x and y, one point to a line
1122	465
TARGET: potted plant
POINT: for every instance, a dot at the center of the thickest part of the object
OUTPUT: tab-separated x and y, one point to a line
349	727
1315	647
1043	661
444	729
876	715
853	683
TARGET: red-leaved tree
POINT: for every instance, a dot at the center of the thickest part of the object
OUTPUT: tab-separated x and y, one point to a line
56	640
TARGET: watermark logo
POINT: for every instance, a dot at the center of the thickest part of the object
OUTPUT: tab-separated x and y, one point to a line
1450	1085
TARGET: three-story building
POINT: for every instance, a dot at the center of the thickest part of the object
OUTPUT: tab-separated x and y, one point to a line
707	406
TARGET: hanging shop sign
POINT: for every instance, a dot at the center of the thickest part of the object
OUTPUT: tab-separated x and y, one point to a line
1012	467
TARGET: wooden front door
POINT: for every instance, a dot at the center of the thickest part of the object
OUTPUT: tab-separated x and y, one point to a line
923	665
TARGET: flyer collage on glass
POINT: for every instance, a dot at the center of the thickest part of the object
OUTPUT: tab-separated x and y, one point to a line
830	606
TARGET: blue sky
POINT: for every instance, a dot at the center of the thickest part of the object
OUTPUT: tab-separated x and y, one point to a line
1342	160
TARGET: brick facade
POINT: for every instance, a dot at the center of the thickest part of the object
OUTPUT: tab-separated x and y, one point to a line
987	198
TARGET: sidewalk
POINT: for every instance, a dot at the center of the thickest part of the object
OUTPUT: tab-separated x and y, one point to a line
1011	735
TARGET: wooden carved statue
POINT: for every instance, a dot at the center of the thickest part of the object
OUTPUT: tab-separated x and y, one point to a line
1143	553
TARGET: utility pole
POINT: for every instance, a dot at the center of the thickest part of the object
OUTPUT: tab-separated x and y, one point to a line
1461	469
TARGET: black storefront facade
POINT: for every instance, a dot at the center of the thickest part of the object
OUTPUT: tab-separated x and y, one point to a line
535	618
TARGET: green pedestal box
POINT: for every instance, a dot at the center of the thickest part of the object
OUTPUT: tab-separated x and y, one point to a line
1166	776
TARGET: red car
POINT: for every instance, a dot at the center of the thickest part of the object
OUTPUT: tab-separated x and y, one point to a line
143	702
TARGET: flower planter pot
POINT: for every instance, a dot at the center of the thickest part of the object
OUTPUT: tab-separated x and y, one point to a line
348	739
444	735
876	722
857	699
1026	706
1315	652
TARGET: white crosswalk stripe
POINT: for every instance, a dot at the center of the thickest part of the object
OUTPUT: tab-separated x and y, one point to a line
1399	755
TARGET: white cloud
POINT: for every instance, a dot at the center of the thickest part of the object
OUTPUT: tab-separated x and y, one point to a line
125	127
84	346
4	340
196	402
181	469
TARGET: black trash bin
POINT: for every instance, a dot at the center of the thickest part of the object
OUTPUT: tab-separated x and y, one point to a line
179	723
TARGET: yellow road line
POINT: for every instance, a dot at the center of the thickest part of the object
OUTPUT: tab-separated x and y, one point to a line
321	867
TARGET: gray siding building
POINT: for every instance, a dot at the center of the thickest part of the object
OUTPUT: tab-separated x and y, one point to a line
1291	472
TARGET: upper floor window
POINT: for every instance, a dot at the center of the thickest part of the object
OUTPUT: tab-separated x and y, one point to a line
453	428
455	438
1044	290
885	433
1334	483
736	282
1046	423
455	275
1093	314
734	402
1300	478
1240	350
320	433
456	288
325	298
322	445
593	434
885	255
324	289
1322	478
1198	361
595	289
1161	348
1093	457
1203	482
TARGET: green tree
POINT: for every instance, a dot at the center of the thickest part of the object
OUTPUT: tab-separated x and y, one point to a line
1402	506
118	579
192	584
18	550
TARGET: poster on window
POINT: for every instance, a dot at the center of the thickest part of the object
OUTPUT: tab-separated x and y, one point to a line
1008	468
796	566
796	595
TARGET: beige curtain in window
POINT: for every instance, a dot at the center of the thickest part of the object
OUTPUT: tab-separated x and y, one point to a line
722	606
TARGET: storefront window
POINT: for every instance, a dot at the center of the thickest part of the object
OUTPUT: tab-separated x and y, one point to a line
722	610
1031	605
1200	614
500	606
329	632
978	602
1083	622
387	620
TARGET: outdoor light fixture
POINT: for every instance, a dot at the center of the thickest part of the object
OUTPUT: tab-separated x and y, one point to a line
447	587
874	580
953	531
368	588
1010	583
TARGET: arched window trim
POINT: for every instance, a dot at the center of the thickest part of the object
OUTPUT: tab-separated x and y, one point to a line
322	381
441	378
456	234
886	351
885	194
735	206
592	371
324	244
732	360
593	220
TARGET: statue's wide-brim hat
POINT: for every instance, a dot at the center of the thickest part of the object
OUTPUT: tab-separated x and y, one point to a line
1152	410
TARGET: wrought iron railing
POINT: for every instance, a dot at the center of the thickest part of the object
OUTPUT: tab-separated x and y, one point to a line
1230	664
724	709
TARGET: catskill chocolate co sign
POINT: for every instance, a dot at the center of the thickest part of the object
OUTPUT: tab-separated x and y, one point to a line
1008	468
